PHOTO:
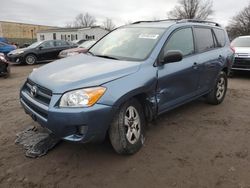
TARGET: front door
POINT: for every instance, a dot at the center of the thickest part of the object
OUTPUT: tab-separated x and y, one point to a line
178	82
46	50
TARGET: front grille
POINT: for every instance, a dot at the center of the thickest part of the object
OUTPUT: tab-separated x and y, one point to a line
241	63
43	95
243	55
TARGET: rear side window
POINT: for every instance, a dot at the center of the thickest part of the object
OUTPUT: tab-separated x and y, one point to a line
220	36
61	43
181	40
204	39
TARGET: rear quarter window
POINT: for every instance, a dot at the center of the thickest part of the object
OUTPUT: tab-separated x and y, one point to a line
220	37
204	39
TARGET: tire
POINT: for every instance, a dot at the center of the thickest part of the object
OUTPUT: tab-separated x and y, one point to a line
126	132
30	59
217	94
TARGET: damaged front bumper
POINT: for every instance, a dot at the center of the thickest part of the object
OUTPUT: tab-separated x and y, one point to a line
72	124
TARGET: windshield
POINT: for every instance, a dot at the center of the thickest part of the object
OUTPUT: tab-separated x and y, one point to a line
241	42
87	44
34	45
128	43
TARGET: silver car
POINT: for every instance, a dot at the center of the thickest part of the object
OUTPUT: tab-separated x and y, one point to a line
241	46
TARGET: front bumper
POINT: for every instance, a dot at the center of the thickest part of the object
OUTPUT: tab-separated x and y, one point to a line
241	64
18	59
72	124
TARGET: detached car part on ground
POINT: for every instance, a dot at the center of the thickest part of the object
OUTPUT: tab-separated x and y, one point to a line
82	48
4	66
129	77
39	51
241	46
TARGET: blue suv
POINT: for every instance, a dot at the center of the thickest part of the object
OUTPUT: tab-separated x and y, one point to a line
129	77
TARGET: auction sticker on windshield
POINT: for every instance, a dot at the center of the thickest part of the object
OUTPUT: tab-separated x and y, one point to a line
148	36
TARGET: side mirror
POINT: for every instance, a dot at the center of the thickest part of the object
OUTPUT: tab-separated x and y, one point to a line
172	56
40	47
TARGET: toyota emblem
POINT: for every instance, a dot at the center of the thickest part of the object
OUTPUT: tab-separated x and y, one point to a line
33	91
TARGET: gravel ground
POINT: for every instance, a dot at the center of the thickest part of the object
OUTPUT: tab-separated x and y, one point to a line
196	145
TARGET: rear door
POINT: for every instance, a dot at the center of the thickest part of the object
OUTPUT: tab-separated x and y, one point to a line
177	82
209	57
60	46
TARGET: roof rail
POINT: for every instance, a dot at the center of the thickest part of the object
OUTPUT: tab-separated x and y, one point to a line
199	21
148	21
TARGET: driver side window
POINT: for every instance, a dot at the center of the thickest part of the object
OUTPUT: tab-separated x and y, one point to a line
48	44
181	40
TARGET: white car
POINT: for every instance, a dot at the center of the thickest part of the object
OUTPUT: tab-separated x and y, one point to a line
241	46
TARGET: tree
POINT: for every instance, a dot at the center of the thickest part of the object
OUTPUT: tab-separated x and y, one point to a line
108	24
192	9
240	24
85	20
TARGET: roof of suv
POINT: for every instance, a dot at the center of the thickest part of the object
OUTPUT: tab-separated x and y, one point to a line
170	22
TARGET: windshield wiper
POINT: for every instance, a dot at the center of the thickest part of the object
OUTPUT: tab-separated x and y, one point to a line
108	57
89	52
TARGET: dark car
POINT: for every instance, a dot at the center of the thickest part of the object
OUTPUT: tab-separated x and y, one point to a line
4	66
129	77
6	48
82	48
241	46
39	51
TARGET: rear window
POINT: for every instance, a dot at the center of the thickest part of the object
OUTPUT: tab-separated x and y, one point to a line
241	42
204	39
220	36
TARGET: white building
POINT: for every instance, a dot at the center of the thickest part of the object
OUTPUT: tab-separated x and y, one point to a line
71	34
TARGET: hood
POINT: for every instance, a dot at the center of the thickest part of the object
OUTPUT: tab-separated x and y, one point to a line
18	50
243	50
81	71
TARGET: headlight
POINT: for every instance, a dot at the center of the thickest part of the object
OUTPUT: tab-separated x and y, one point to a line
19	52
82	97
72	53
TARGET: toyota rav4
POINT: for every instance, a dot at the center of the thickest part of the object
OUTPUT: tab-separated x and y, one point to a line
129	77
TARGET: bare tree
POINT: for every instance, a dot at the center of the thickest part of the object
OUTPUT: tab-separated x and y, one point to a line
108	24
84	20
240	24
192	9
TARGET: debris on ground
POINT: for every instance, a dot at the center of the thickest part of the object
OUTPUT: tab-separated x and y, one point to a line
36	141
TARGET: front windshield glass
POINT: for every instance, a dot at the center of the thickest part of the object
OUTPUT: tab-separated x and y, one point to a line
128	43
34	45
241	42
87	44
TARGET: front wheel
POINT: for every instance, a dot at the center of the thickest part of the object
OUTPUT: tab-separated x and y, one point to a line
217	94
30	59
126	132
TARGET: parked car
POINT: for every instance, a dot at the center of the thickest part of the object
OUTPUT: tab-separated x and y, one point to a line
241	46
4	40
4	66
129	77
39	51
6	48
82	48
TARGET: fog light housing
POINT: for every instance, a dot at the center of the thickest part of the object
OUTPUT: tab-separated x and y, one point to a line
81	130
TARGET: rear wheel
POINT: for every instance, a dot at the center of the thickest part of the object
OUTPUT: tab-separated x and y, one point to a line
30	59
217	94
126	132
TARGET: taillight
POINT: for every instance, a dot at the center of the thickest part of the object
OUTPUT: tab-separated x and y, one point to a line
233	49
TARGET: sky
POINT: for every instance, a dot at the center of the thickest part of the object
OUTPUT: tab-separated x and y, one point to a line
61	12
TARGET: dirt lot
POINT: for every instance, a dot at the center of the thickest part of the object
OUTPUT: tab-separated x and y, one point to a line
197	145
